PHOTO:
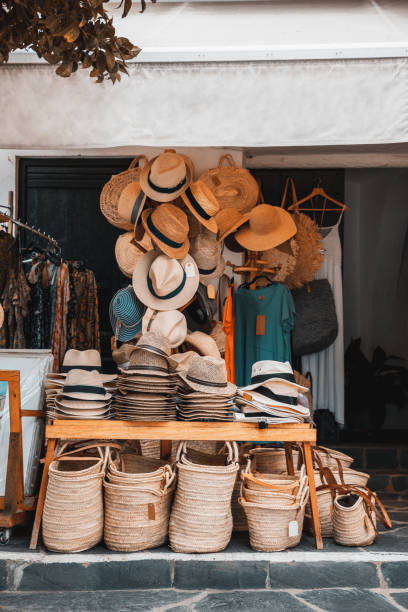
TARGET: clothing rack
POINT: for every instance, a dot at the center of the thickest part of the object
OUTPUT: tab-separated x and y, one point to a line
4	218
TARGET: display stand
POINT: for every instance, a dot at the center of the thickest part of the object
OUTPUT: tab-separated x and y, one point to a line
301	433
14	507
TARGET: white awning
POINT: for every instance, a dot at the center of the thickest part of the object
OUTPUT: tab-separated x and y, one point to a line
248	75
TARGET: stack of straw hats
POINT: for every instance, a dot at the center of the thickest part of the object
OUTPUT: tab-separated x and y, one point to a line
205	393
147	387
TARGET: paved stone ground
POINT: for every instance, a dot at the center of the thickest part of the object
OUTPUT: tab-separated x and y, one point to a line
338	579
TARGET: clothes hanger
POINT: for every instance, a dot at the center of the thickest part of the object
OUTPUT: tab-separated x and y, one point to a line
318	191
256	278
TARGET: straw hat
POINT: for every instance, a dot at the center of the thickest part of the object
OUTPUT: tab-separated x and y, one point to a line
127	253
65	402
272	371
89	360
109	198
147	362
229	220
206	252
1	316
234	187
122	355
232	245
282	257
203	344
131	203
171	323
180	362
83	385
126	312
219	337
155	342
166	176
202	203
163	283
309	256
268	227
209	375
167	226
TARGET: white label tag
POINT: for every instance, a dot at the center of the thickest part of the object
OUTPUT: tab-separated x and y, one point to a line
189	269
293	529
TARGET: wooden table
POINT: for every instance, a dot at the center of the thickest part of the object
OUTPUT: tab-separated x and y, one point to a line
302	433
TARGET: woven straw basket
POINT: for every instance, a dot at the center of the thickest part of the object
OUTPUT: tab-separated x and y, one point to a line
73	509
271	460
109	198
331	458
201	519
269	528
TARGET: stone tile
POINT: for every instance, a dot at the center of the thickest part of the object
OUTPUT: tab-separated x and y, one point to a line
143	574
378	482
356	453
254	601
89	601
395	574
322	574
220	574
381	458
400	483
401	599
389	541
3	576
338	600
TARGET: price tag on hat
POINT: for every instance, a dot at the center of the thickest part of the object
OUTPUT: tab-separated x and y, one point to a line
293	529
189	269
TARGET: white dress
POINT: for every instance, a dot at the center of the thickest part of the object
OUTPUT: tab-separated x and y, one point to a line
327	366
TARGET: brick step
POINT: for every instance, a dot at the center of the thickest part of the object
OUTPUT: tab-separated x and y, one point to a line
391	458
388	483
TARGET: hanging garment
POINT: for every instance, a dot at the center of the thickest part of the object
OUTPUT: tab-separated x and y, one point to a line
264	319
327	366
228	326
15	298
59	333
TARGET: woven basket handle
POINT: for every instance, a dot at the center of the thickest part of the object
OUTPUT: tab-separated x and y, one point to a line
170	475
228	158
68	455
367	496
291	182
136	161
181	450
267	485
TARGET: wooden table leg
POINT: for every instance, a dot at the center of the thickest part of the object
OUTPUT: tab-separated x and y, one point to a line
41	495
289	458
307	453
165	449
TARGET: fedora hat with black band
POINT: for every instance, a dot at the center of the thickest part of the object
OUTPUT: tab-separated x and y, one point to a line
83	385
200	200
89	360
267	371
163	283
209	375
166	176
131	202
167	226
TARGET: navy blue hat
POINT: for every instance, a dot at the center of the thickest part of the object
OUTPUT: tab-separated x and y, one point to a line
126	312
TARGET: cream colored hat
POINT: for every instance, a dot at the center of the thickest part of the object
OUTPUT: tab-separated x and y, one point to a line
200	200
65	402
122	355
163	283
209	375
203	344
1	316
167	226
229	220
145	362
84	385
206	252
166	176
171	324
180	362
272	371
127	253
89	360
268	226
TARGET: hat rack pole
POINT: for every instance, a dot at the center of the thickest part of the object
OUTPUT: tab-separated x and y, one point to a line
253	266
7	218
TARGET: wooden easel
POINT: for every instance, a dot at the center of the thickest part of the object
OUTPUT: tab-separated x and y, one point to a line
301	433
14	507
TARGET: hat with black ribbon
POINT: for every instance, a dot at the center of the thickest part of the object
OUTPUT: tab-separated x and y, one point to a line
89	360
84	385
166	176
126	312
167	226
131	202
265	373
208	375
200	200
206	252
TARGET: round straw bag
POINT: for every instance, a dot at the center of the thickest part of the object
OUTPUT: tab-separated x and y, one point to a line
136	514
201	519
354	516
109	198
73	508
274	528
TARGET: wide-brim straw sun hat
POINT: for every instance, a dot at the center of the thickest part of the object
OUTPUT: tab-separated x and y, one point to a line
202	344
200	200
171	323
166	176
167	226
84	385
126	312
267	227
228	221
208	375
234	187
206	252
127	253
164	283
109	198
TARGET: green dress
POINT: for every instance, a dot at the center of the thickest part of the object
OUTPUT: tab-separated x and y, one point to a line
276	304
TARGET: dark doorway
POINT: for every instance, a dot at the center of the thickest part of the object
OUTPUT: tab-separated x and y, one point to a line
61	197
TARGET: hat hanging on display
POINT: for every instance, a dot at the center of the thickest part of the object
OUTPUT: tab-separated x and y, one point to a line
267	227
209	375
126	312
234	187
203	344
166	176
171	323
163	283
155	342
167	225
273	371
131	202
229	220
111	192
1	316
127	253
283	258
200	200
206	252
83	385
309	256
89	360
